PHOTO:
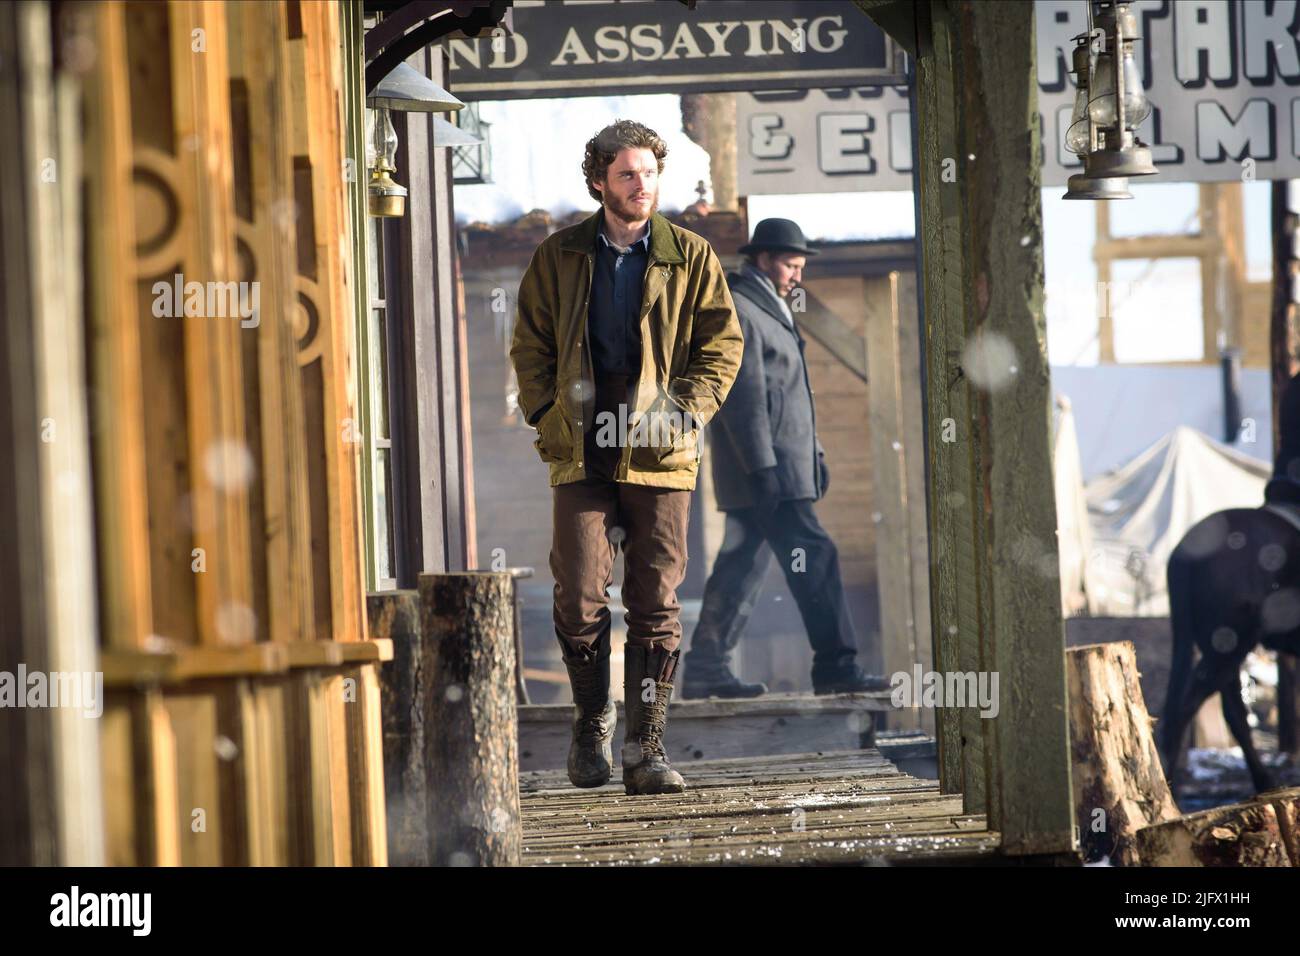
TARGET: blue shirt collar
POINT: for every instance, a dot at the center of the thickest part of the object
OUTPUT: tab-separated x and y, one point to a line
643	242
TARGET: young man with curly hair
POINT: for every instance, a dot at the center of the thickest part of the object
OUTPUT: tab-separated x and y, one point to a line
626	343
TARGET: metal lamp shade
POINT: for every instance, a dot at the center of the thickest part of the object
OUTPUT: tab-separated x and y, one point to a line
1082	187
449	134
407	89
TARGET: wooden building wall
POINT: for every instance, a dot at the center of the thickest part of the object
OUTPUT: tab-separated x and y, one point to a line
242	721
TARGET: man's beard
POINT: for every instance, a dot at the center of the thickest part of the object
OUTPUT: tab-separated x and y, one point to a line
626	211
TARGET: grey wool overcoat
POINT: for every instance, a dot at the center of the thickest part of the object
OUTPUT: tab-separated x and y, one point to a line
768	418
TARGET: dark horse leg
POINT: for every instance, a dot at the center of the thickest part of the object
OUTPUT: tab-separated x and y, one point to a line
1234	712
1179	715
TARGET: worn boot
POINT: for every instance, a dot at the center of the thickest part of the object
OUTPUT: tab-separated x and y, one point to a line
647	687
846	677
591	755
709	674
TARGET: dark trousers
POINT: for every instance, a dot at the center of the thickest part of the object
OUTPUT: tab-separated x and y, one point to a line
811	565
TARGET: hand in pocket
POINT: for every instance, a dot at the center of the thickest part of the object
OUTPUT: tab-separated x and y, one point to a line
553	438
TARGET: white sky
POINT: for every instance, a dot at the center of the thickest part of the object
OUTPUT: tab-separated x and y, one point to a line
536	163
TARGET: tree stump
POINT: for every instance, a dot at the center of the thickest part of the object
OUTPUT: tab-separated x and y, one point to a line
1286	806
1244	834
1119	784
395	615
466	690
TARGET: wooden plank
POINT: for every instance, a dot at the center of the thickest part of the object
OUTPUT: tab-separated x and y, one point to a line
559	796
190	364
768	705
157	255
275	422
774	826
912	431
369	824
201	825
310	791
337	735
160	811
850	806
121	837
890	490
142	821
133	668
244	773
270	700
368	349
898	461
122	511
329	355
709	729
212	356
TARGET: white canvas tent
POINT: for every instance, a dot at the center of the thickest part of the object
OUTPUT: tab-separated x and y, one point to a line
1074	534
1138	513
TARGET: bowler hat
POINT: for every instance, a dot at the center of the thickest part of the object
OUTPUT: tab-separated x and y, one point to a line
778	235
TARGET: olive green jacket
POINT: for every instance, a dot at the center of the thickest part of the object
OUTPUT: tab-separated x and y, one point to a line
691	350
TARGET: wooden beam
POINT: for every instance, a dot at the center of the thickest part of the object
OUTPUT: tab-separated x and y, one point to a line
1212	323
1284	356
957	577
995	575
453	395
1105	307
430	409
25	737
898	485
834	334
51	793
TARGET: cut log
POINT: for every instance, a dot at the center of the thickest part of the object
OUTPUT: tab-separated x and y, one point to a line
1119	784
1286	806
395	615
466	694
1244	834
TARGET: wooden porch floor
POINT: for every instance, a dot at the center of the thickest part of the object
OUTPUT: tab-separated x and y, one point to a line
845	807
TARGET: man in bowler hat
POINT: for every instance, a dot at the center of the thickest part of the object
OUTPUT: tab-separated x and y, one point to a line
768	469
